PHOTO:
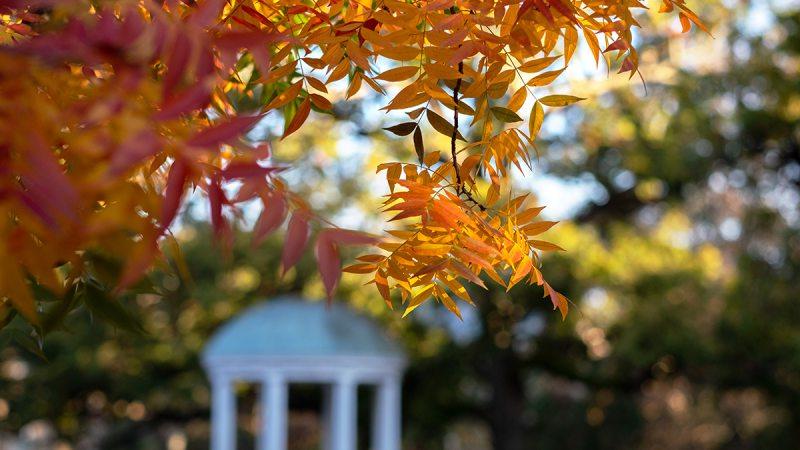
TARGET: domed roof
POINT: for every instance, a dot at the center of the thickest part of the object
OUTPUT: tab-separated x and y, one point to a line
292	326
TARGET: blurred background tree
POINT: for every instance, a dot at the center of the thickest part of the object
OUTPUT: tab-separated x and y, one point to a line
684	257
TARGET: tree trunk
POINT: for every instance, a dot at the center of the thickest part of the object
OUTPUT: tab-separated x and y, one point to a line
506	406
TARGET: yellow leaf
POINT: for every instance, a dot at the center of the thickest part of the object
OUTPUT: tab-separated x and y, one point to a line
418	299
458	289
538	227
429	249
529	214
538	64
517	99
560	100
398	73
359	268
448	302
432	158
521	271
545	78
536	120
401	53
442	72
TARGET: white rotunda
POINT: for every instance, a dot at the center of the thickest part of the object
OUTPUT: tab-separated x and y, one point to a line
291	340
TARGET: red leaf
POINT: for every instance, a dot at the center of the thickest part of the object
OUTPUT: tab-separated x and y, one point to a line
132	151
543	8
257	15
261	57
263	151
270	219
247	169
249	190
173	194
21	28
207	13
299	9
619	44
46	189
296	240
328	262
193	98
216	198
223	132
177	62
565	10
627	66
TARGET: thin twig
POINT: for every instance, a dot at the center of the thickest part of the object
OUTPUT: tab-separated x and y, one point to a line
460	189
455	125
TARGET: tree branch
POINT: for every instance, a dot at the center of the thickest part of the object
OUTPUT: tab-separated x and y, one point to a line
460	190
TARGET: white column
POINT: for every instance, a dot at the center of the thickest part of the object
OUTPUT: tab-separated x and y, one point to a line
327	416
223	413
274	413
343	431
386	415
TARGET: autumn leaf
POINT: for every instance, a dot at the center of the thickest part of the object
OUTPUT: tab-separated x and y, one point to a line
559	100
270	218
505	115
398	73
402	129
419	146
176	182
299	118
329	263
157	97
286	96
297	235
442	126
536	120
545	78
223	132
538	227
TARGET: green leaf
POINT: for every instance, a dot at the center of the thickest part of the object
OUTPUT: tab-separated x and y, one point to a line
109	309
30	344
402	129
505	115
54	315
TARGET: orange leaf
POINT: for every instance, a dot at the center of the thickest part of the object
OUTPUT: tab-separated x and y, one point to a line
398	73
286	96
299	118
